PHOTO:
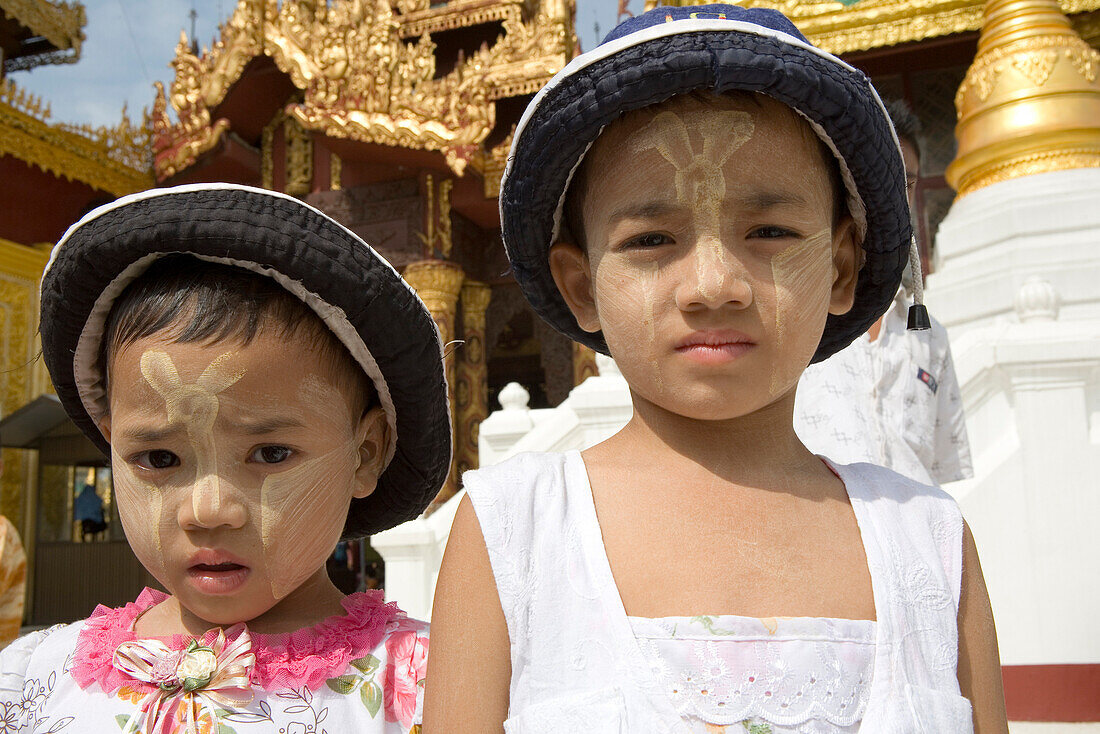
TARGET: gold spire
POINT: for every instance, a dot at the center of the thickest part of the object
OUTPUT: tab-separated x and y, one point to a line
1030	102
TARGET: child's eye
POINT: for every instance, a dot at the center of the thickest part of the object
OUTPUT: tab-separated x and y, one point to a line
270	454
157	459
772	232
650	239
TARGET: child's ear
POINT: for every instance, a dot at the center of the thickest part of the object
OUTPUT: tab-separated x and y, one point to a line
373	434
573	275
847	260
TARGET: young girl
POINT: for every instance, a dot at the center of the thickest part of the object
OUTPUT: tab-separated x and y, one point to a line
715	203
235	353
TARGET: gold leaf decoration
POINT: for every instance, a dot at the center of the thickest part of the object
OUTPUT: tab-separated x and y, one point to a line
867	24
361	78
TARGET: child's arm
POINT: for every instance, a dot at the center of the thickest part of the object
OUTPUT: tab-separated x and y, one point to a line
979	659
469	669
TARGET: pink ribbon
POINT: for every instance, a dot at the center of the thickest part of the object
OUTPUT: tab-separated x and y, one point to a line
197	679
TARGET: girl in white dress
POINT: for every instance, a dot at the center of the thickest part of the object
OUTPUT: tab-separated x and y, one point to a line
265	385
715	203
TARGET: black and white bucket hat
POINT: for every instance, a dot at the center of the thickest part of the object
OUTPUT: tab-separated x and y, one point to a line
354	290
719	48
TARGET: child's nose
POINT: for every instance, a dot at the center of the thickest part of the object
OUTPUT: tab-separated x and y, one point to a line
714	279
213	503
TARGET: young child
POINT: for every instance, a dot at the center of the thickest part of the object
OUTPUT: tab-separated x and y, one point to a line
265	384
715	203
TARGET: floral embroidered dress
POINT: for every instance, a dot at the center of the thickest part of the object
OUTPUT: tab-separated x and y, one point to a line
362	671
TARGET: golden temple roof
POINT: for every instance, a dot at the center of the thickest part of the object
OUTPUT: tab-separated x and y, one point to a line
867	24
110	159
367	71
1030	102
60	23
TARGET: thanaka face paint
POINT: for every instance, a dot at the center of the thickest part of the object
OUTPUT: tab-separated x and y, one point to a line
801	274
195	406
699	180
234	470
710	251
301	511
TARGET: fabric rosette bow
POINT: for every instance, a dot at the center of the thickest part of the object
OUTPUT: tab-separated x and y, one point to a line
190	683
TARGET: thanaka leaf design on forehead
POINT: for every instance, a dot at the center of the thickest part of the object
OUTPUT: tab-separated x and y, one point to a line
195	405
699	179
700	182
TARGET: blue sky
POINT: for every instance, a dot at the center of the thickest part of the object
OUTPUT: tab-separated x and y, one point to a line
131	42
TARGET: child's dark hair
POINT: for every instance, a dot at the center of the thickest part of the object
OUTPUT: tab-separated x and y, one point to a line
200	301
906	122
572	219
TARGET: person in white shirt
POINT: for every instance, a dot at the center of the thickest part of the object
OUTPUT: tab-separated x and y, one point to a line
891	397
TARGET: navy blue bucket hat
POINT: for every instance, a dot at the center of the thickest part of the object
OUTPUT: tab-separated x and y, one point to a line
717	48
360	297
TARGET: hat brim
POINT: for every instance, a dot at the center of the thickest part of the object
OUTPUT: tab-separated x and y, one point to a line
357	293
654	64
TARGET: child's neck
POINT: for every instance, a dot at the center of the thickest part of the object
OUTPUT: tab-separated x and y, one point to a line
751	449
315	600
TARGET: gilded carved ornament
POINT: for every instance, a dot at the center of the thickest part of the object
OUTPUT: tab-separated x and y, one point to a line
201	82
438	216
20	271
299	159
416	21
335	173
868	24
112	159
359	77
491	163
1030	102
267	144
471	394
60	23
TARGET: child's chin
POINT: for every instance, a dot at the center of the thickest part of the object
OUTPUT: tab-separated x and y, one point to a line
706	405
227	611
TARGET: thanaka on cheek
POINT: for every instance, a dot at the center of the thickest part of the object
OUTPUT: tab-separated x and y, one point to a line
801	276
302	510
302	513
140	508
618	300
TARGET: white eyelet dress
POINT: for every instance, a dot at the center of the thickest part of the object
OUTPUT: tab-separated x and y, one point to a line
579	664
767	676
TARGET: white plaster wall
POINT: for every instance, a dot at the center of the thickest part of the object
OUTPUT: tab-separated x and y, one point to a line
1018	287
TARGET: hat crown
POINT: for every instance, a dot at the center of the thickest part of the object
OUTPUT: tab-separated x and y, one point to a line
768	18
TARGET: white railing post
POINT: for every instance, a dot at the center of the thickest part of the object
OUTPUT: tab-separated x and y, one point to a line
503	428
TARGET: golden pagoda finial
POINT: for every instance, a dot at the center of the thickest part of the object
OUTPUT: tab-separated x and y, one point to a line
1030	102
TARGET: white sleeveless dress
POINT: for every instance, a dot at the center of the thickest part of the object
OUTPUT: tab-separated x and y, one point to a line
578	663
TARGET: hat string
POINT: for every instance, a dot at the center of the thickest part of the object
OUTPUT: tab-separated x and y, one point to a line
918	315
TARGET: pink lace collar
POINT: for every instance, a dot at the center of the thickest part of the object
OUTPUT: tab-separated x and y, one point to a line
305	657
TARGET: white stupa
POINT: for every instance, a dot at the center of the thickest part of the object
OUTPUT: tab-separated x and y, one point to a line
1018	288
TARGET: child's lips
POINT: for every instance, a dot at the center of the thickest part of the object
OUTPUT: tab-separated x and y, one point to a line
715	347
213	572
